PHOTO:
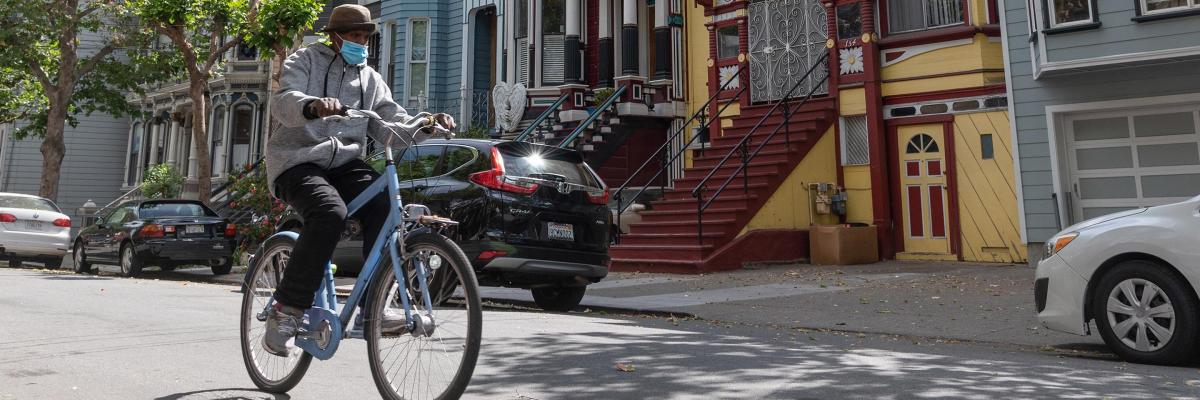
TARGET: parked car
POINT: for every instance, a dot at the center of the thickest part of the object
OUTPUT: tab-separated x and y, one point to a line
32	228
1135	273
530	216
163	233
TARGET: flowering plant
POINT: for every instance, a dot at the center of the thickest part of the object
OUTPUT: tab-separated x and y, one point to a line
248	191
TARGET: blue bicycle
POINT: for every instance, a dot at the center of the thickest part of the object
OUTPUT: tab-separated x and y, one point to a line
436	292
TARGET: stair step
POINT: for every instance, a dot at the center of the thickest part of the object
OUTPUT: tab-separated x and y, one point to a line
597	138
690	215
781	138
692	251
755	166
669	238
734	187
587	147
689	204
614	121
753	179
606	129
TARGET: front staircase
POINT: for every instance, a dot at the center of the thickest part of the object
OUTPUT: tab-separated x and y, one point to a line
668	239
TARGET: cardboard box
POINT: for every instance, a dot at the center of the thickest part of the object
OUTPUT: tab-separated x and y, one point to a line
842	245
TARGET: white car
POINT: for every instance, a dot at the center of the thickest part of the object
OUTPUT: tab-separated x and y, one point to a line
1135	273
32	229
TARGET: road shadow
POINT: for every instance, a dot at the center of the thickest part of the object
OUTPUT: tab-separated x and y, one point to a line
225	394
581	361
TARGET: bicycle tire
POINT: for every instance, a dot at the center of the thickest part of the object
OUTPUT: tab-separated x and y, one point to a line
469	307
251	306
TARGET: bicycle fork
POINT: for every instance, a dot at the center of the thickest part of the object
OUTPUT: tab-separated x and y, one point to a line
419	324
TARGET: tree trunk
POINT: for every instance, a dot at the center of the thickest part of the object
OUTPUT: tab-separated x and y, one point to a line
200	137
53	146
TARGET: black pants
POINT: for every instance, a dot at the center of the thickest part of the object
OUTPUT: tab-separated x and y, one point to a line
320	197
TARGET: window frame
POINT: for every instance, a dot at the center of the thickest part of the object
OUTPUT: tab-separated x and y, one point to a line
1050	26
885	18
409	94
1144	9
737	37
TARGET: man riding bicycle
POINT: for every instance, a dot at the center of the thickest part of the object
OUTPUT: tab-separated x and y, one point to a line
313	163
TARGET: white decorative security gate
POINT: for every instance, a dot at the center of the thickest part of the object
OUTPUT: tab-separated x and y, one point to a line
786	38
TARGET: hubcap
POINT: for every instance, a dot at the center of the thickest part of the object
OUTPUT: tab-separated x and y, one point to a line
78	256
1141	315
126	260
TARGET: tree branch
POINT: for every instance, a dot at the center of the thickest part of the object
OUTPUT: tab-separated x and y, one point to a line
41	76
95	60
216	55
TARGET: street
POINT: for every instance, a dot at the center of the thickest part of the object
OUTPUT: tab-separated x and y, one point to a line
105	337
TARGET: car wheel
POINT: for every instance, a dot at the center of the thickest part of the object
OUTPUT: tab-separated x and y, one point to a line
130	265
558	298
79	258
53	263
223	267
1146	314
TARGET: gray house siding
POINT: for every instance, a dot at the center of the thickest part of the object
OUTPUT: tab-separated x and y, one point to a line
92	168
445	51
1117	35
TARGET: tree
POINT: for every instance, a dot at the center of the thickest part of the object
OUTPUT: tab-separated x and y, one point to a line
50	77
203	30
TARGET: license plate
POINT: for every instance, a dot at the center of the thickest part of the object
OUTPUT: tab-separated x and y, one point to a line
560	231
33	225
194	229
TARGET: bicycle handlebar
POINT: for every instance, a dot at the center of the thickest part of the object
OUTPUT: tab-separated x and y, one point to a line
420	121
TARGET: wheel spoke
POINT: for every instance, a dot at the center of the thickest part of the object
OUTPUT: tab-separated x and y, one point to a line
1162	311
1129	291
1122	328
1142	343
1148	293
1162	333
1115	306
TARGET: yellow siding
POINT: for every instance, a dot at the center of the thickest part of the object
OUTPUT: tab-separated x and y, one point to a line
934	84
696	38
852	102
987	196
788	207
857	179
966	57
982	57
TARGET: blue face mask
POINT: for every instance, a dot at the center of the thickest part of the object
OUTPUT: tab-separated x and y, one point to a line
353	53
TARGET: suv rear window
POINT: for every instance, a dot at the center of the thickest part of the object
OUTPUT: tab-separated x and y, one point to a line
28	203
552	166
171	209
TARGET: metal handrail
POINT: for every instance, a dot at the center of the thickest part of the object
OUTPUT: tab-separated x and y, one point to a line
537	121
702	110
740	147
118	199
592	117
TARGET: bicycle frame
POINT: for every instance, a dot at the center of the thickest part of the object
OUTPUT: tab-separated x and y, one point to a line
325	302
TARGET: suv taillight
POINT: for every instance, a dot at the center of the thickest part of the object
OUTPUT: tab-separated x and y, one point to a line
598	196
494	178
230	230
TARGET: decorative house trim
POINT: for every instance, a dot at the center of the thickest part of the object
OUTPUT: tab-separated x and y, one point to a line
1118	59
904	53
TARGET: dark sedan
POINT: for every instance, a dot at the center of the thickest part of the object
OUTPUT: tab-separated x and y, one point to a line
163	233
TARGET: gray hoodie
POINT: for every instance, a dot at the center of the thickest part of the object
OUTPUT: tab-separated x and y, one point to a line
318	71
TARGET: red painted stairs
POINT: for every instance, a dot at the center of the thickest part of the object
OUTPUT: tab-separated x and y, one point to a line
666	238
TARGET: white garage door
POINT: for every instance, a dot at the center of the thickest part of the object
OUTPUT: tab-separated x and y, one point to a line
1120	161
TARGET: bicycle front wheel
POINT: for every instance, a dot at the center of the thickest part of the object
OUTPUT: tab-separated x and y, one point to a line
430	362
269	372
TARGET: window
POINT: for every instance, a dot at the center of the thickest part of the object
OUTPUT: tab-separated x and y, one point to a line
855	148
174	209
418	162
1069	12
418	58
727	42
28	203
458	158
921	143
522	16
849	21
915	15
553	42
1154	6
986	148
373	53
135	148
218	139
120	216
239	149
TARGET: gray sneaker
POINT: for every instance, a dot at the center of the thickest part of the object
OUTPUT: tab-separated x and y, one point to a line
393	323
283	322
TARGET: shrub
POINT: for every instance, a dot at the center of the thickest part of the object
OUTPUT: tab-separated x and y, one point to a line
248	191
162	182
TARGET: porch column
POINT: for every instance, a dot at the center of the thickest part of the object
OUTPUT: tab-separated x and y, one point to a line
662	42
606	44
629	38
571	46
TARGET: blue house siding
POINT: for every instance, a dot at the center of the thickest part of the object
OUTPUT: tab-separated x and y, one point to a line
445	51
93	167
1117	35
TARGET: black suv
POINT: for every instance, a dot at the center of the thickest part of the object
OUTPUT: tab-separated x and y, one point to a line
530	216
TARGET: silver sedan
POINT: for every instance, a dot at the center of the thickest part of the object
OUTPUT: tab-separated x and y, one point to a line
32	228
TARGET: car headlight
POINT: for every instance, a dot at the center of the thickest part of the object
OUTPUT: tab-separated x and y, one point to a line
1057	243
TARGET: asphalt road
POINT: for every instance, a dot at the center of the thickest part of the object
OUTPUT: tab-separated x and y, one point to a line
70	336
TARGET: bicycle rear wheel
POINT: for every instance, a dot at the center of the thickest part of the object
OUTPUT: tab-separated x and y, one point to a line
269	372
432	363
